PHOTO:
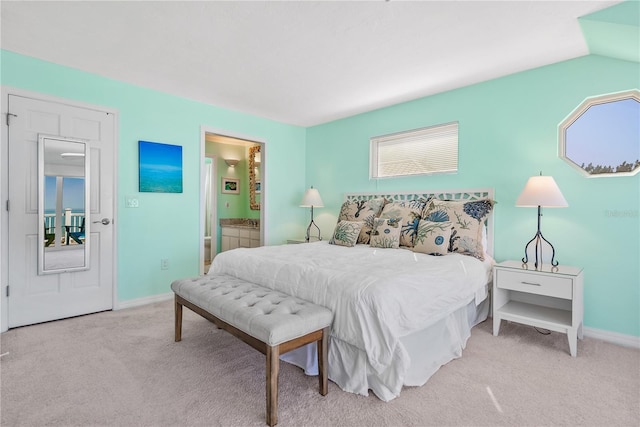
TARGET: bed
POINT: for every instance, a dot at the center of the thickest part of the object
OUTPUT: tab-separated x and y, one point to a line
399	314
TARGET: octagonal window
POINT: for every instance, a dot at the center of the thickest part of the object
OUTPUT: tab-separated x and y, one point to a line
602	136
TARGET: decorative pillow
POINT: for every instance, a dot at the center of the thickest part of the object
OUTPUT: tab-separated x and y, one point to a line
362	210
385	233
346	233
433	237
410	212
467	219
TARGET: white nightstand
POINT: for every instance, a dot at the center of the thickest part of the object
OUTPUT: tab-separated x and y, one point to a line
550	298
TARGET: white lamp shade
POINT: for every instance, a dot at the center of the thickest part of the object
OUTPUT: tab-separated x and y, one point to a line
541	191
311	199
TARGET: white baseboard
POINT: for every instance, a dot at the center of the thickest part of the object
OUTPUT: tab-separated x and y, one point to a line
613	337
143	301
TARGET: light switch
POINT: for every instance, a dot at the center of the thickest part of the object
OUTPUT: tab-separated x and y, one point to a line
131	202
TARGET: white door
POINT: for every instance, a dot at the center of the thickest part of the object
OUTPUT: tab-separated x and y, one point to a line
34	298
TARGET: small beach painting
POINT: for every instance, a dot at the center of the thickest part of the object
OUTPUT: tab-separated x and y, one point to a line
160	167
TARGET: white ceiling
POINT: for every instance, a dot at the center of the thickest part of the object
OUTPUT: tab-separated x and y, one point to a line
298	62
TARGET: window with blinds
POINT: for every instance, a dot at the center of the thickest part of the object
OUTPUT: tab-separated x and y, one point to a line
422	151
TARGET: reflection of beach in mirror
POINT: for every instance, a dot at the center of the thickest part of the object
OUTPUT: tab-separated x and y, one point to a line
72	193
72	203
64	178
72	214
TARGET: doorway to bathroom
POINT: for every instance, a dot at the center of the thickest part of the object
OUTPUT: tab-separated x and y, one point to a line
233	188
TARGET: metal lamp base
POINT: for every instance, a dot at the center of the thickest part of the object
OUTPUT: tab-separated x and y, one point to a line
539	238
312	224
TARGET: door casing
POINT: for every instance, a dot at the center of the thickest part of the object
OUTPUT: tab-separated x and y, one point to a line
204	130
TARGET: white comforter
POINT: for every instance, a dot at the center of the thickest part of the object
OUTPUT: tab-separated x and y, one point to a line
377	295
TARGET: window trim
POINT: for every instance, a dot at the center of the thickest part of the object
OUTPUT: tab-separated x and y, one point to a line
577	113
376	140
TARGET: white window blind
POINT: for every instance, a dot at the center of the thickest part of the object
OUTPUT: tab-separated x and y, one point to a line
427	150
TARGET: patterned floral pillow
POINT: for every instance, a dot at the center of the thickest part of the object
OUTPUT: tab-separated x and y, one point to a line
385	233
346	233
467	218
362	210
433	237
410	211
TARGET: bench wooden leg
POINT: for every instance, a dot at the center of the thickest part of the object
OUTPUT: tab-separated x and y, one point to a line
273	368
323	349
178	315
321	337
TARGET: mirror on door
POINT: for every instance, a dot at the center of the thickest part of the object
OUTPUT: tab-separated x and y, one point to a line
63	192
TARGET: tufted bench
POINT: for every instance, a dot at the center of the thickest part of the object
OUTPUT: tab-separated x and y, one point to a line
269	321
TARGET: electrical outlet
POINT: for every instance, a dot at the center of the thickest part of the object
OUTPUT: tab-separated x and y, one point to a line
164	264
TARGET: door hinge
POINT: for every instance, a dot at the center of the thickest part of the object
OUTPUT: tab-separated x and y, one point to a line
9	118
8	291
7	205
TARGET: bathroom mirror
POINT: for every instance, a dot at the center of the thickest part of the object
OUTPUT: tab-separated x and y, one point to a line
63	192
254	177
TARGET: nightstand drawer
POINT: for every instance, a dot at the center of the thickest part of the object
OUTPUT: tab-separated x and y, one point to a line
532	283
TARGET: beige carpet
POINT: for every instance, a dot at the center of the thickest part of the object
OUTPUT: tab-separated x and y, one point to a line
122	368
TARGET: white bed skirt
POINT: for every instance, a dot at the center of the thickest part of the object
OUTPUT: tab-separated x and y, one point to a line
428	350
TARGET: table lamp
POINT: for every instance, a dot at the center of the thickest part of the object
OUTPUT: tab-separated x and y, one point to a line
541	191
311	199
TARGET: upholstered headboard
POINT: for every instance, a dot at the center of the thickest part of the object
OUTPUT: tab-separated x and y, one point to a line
463	194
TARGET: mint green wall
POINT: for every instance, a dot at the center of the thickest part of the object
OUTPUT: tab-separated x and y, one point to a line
238	203
507	133
168	225
614	31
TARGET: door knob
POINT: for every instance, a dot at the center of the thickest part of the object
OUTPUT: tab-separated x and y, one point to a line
103	221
